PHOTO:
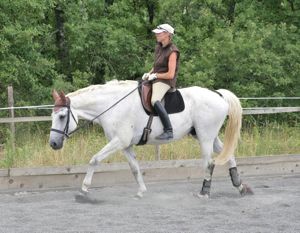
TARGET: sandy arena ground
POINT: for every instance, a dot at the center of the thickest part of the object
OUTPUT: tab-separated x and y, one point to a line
166	207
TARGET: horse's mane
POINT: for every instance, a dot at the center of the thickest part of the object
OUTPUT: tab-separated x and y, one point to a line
111	84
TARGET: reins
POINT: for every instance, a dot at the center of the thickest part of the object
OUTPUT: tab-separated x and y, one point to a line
67	134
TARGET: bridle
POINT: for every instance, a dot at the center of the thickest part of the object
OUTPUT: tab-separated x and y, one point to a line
65	132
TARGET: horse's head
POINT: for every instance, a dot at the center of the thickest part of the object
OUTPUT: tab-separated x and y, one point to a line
64	120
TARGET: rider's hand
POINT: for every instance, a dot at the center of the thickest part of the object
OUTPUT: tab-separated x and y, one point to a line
152	77
145	76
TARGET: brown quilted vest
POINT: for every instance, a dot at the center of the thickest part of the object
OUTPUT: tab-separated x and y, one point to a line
161	61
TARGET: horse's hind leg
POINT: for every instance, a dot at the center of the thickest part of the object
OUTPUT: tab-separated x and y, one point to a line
135	168
207	148
233	172
205	190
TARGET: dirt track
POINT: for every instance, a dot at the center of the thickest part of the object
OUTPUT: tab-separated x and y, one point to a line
166	207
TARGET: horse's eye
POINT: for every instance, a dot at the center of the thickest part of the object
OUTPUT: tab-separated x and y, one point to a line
61	117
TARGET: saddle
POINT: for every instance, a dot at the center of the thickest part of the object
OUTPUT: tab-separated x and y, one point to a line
173	101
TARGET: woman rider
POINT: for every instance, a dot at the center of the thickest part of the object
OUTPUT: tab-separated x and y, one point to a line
163	74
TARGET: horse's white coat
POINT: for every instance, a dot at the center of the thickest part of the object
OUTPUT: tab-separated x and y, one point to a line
123	125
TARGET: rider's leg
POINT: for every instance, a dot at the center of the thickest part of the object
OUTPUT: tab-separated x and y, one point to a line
159	90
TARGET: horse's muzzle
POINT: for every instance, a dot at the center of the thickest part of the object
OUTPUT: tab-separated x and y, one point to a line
54	145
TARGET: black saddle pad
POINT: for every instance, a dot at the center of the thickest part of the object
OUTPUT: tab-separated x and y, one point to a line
174	102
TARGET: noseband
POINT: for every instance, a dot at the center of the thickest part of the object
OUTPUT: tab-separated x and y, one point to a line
65	132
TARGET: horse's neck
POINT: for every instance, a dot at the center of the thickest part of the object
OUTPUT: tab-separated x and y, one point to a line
89	104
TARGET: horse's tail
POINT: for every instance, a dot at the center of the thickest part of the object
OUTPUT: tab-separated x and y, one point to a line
233	127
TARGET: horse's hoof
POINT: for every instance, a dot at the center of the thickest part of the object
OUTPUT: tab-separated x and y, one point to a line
201	196
86	197
246	190
139	195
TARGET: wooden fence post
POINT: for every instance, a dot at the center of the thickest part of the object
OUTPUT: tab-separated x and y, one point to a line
10	93
157	152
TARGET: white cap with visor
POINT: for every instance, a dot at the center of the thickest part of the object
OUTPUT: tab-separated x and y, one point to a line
164	28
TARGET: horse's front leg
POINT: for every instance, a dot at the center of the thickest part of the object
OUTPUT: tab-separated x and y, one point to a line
233	172
135	168
108	149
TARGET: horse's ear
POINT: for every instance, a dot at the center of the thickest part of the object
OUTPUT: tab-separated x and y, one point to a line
62	96
55	95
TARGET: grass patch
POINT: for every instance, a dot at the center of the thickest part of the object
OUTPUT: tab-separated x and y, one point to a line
33	150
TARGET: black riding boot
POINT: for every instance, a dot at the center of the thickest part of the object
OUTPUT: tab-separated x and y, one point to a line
165	120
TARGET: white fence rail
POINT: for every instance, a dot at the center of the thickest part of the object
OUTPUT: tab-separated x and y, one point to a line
25	119
269	110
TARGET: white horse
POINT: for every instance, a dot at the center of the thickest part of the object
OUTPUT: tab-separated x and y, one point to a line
123	123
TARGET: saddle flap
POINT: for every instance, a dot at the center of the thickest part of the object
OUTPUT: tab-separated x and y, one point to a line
146	94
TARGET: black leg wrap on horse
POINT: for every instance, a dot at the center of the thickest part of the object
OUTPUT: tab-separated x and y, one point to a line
235	178
206	187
